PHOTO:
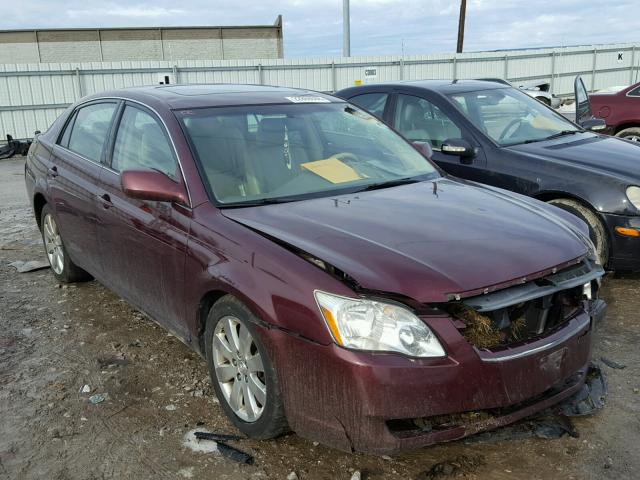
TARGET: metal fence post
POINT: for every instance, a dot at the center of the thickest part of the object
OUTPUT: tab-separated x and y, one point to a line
454	67
593	70
506	67
78	83
175	74
260	75
633	62
402	69
333	76
553	72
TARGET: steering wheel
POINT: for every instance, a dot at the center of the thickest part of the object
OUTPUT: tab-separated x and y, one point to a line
346	156
512	123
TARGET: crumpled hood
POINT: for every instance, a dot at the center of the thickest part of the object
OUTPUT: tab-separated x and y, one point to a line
601	154
426	240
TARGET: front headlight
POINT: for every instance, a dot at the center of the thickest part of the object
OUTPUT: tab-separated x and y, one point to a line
363	324
633	194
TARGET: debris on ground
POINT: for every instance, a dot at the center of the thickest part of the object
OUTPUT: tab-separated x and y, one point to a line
97	398
612	364
356	475
234	454
85	389
217	437
192	443
545	426
459	466
590	398
292	476
29	266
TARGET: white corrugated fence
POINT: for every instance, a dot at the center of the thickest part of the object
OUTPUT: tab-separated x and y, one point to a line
33	95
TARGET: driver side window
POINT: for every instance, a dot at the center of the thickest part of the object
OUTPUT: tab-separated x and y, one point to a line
417	119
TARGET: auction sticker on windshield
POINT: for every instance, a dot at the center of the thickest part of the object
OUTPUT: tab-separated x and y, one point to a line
307	99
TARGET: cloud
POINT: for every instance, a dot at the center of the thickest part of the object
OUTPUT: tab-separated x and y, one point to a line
378	27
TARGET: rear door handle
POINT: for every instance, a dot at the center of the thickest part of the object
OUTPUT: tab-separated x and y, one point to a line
53	171
106	200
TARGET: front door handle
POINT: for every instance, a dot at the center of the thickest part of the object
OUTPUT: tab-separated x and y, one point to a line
53	171
105	198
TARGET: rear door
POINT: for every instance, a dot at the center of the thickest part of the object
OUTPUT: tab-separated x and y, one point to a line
143	243
76	163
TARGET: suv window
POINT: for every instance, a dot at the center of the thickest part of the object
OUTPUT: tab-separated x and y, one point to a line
420	120
372	102
87	134
141	144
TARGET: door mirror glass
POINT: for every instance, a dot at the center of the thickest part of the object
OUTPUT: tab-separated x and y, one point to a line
583	105
152	186
459	147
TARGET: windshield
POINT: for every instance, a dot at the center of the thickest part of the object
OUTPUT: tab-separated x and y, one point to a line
255	154
511	117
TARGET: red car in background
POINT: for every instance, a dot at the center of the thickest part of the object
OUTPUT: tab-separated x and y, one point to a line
620	108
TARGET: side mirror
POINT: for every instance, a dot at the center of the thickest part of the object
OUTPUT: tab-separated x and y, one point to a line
594	124
424	148
153	186
459	147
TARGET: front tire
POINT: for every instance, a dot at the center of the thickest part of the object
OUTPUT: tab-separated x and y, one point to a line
632	134
597	231
241	372
61	264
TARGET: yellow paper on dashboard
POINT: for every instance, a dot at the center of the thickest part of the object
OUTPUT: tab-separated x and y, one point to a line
333	170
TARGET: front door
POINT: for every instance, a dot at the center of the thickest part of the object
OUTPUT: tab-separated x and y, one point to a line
419	119
143	243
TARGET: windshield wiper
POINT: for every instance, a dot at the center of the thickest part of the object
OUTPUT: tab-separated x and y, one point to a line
390	183
255	203
562	134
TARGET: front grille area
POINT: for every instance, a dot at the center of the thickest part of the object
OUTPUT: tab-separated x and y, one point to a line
525	312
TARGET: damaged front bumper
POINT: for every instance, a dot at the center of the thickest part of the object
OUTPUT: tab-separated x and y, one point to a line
384	403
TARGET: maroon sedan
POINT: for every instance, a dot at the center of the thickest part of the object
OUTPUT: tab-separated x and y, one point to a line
620	109
337	283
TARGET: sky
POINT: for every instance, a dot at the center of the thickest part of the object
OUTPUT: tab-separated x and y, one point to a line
313	28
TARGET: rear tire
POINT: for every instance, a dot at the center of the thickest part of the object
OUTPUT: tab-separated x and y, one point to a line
61	264
597	231
632	134
242	375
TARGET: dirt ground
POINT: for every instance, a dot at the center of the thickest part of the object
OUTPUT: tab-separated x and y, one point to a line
55	340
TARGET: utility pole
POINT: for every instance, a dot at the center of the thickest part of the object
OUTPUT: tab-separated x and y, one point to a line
346	33
463	13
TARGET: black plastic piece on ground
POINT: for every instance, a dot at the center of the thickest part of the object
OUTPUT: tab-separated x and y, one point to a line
590	398
217	437
234	454
611	364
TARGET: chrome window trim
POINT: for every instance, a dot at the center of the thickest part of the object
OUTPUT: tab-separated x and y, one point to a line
164	124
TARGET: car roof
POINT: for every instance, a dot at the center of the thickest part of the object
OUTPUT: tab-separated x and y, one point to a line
215	95
444	87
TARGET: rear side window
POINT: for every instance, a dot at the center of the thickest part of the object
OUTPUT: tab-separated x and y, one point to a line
141	144
87	134
635	92
372	102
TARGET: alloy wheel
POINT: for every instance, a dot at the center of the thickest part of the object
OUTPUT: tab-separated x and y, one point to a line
53	244
239	369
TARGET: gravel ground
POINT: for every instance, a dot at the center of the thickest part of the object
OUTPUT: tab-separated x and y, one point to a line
55	340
